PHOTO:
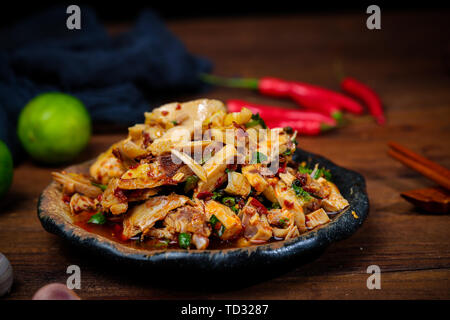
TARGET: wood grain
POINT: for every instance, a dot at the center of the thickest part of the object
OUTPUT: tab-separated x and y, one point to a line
403	62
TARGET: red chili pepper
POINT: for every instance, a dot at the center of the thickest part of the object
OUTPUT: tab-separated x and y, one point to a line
307	123
204	195
367	95
271	112
308	96
259	206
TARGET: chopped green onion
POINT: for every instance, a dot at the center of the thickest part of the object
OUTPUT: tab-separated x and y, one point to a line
184	240
213	220
97	218
174	122
217	195
229	201
190	183
99	185
275	205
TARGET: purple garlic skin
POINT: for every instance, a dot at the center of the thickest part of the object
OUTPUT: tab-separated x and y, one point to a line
6	275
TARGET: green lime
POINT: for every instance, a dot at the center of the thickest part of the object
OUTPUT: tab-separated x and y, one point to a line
54	127
6	169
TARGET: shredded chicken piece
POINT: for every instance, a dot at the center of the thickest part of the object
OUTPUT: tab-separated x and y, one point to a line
188	219
227	218
256	226
143	217
79	203
74	182
114	199
316	218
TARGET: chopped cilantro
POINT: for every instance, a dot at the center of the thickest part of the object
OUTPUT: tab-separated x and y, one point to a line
300	192
256	120
303	169
258	157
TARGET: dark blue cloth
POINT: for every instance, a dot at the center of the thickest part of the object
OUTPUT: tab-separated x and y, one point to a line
117	78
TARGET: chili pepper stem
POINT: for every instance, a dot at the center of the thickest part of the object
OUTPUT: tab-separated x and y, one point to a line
326	127
245	83
338	116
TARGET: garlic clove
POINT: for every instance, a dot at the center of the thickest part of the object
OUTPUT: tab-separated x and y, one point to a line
6	275
55	291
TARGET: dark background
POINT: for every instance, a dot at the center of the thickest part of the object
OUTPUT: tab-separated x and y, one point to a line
111	12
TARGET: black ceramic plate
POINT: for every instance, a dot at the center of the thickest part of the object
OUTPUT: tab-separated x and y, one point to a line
55	218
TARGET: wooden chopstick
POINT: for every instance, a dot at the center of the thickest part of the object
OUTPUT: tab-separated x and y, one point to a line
427	162
424	166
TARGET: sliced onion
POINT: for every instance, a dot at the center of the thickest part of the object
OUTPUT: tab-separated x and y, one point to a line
195	167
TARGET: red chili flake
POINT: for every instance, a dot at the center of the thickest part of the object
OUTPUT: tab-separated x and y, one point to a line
147	139
164	113
204	195
259	206
288	204
302	177
232	166
282	168
100	197
218	225
66	198
178	107
219	182
117	229
118	193
134	166
238	126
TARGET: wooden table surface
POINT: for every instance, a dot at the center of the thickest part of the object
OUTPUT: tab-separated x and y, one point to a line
404	62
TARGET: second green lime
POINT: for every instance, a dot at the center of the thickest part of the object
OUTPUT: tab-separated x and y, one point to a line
54	127
6	169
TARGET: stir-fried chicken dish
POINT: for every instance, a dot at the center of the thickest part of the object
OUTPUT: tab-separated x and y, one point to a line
193	176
